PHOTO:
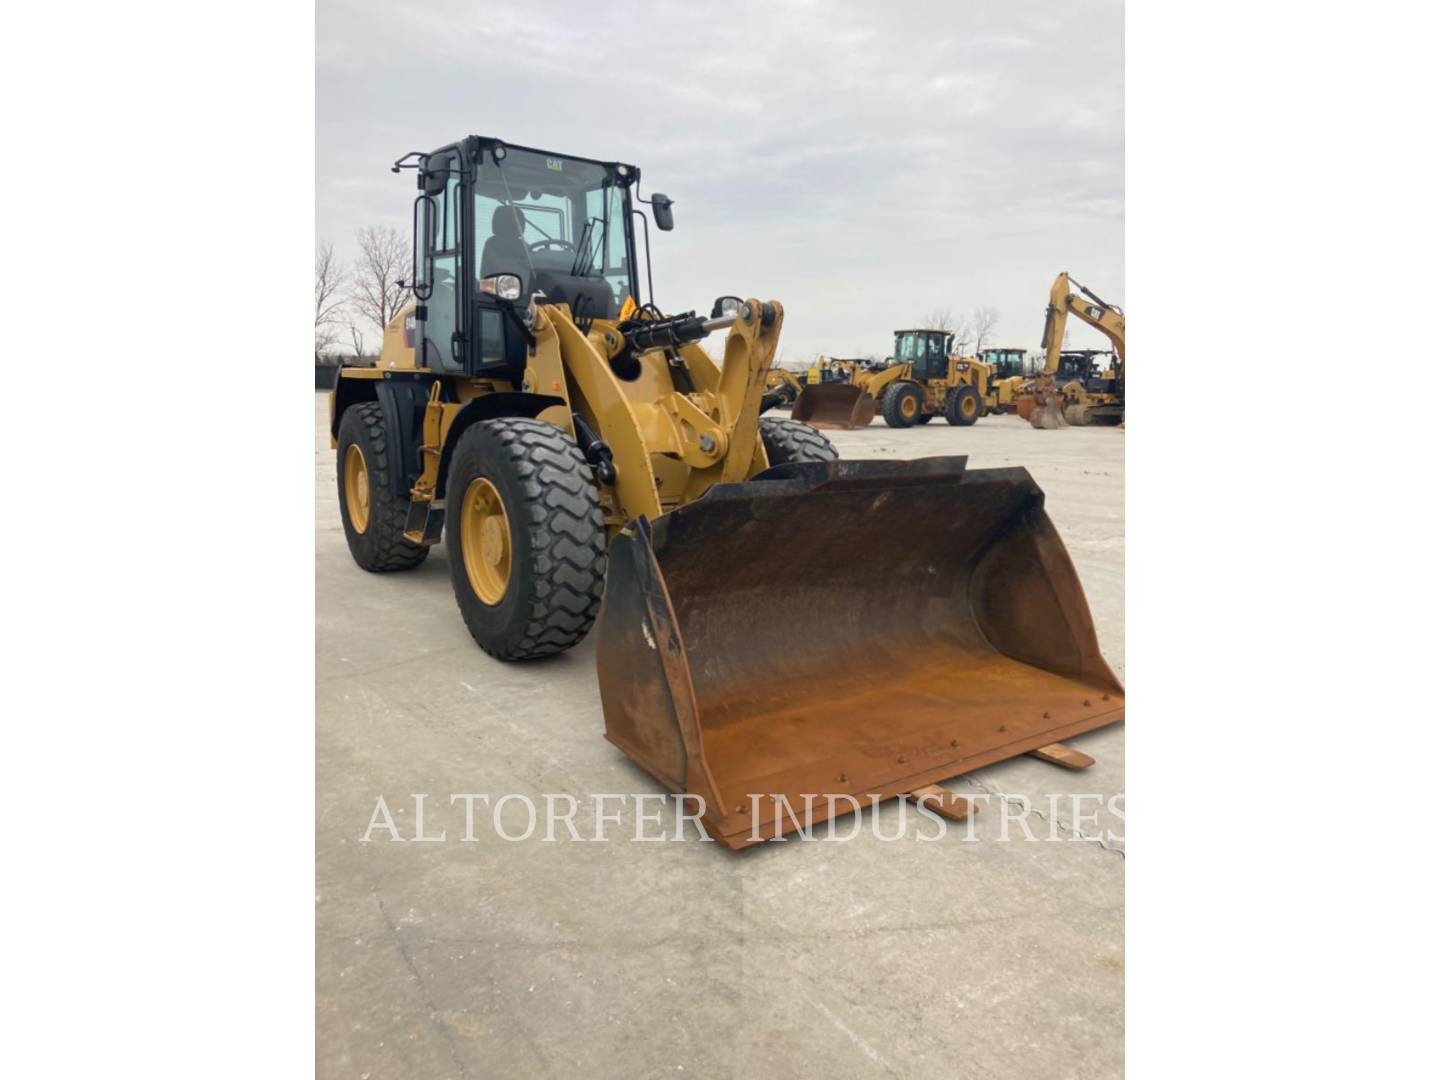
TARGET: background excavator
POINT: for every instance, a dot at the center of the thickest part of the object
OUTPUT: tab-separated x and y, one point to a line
1053	401
585	462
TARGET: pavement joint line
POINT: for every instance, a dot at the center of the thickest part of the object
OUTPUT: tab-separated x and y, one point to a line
779	938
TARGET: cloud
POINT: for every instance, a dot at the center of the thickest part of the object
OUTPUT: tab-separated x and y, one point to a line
861	162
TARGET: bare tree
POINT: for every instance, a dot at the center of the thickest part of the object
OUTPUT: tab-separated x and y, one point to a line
357	340
375	290
985	319
946	319
938	319
329	297
964	338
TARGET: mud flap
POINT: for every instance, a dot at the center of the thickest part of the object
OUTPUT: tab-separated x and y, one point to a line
834	405
932	624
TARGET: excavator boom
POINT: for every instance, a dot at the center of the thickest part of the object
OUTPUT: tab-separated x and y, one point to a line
1044	406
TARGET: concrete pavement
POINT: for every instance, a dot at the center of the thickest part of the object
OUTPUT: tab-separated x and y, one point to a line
492	958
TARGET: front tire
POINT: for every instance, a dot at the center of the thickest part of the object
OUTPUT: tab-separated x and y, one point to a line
372	514
902	404
963	406
794	440
525	538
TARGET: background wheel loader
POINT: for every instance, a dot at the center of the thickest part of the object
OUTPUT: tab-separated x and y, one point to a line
921	381
784	387
1007	376
528	411
1052	400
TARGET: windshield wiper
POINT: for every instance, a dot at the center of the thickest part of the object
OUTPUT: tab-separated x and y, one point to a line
584	251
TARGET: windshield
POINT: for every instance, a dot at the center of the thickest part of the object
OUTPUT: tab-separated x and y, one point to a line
912	346
1006	362
560	224
1075	365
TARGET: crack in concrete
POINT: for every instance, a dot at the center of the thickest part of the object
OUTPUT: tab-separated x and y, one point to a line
858	1042
435	1020
1031	808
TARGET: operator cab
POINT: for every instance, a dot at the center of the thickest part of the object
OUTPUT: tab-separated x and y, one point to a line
927	351
1078	365
1006	362
497	225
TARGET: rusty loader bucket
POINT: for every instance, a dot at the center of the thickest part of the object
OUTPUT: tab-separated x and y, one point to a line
931	623
834	405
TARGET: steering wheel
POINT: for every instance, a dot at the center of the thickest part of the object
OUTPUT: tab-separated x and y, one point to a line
545	245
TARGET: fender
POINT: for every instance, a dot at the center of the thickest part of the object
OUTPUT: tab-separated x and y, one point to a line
485	407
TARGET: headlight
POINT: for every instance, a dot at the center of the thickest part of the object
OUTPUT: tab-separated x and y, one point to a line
725	306
502	286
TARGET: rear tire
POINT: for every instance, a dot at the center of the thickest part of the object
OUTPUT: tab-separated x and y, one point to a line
793	440
924	418
963	406
372	514
523	525
902	404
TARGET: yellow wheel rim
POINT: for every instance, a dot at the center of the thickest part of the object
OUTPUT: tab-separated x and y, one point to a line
485	541
908	406
357	488
967	406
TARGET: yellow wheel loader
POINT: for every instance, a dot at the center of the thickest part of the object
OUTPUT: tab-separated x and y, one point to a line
579	453
834	395
920	382
525	407
1055	401
1007	377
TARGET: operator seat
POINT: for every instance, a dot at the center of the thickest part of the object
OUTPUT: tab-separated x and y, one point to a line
505	252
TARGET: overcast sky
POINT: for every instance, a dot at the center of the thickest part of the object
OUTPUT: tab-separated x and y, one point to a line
863	163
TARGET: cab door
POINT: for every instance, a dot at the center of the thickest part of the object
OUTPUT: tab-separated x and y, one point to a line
440	221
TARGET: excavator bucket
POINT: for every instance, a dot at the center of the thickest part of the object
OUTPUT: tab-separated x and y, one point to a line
932	623
1042	415
834	405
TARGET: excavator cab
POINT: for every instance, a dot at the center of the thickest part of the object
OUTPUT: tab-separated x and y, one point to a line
1079	366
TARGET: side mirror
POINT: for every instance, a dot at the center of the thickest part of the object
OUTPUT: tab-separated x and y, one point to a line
660	206
436	174
501	286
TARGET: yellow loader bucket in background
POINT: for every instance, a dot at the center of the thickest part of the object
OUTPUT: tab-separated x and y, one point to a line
834	405
958	637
